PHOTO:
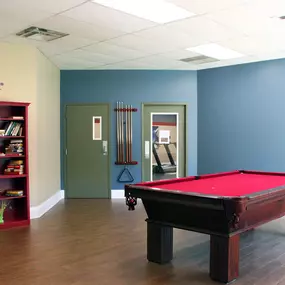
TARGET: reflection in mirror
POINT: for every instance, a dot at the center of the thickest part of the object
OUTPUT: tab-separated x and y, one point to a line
164	146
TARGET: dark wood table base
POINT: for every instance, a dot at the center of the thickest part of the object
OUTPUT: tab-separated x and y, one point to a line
224	251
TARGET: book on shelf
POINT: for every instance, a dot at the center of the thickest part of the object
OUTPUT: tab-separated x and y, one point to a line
12	129
14	147
14	167
12	118
11	193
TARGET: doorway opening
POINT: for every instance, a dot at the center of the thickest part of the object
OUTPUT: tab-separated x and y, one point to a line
164	136
165	145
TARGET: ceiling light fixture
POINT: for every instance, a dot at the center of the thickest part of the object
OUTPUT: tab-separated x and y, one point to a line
215	51
159	11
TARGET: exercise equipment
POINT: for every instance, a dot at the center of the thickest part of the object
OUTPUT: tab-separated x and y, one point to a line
163	168
124	124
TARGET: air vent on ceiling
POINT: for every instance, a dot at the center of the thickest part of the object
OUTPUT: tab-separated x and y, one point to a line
199	59
40	34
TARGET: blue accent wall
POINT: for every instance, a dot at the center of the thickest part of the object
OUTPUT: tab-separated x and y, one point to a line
241	117
133	87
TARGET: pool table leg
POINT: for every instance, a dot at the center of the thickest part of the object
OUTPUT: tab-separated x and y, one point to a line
159	243
224	258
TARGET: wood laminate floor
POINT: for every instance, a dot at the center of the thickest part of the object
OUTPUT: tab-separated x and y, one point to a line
99	242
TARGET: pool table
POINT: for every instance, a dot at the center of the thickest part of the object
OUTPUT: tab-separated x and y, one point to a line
223	205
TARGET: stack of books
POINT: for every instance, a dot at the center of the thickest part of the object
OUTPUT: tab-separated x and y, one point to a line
14	167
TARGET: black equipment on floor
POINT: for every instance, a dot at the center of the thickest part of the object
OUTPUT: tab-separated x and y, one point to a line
163	168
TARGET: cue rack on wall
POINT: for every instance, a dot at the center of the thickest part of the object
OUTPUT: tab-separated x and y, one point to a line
124	128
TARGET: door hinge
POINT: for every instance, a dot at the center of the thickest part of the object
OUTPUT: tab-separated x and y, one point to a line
66	151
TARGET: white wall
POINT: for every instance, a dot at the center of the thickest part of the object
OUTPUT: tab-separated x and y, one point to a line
29	77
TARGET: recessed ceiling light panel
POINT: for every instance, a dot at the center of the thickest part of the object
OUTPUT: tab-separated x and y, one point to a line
159	11
215	51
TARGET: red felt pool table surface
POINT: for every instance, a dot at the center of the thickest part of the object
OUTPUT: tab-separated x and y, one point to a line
227	184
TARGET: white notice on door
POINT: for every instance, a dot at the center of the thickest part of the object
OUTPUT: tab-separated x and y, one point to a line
97	128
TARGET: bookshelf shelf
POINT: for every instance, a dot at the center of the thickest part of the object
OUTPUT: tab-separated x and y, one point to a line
7	176
11	137
11	156
11	198
14	141
10	119
14	223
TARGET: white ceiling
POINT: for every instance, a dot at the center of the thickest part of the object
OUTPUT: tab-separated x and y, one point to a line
103	38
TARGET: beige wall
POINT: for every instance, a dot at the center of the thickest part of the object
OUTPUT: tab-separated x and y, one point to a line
29	77
48	128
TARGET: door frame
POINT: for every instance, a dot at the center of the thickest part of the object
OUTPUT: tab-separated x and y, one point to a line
65	142
153	104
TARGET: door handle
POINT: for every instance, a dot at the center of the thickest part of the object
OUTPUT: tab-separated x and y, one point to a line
105	147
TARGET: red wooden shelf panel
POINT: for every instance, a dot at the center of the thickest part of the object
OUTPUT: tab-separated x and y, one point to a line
11	198
11	156
11	137
7	176
15	223
14	104
11	119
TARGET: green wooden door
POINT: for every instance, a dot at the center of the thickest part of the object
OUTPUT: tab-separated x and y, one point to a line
148	161
87	144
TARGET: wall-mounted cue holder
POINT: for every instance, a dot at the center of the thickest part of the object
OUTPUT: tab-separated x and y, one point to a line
124	125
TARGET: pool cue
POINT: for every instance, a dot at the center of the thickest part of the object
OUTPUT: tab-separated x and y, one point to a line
117	124
127	135
129	132
131	143
129	138
123	139
120	135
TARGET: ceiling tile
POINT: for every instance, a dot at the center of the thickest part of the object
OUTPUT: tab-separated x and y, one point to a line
141	44
202	29
121	53
269	8
103	16
63	45
247	59
52	6
206	6
131	64
179	54
162	62
19	40
91	56
14	19
254	45
69	60
244	45
10	26
244	20
171	36
79	28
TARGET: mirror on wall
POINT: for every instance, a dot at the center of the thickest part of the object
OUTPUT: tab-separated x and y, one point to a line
164	146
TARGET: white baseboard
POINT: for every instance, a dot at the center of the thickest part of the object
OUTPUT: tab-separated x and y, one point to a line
117	193
38	211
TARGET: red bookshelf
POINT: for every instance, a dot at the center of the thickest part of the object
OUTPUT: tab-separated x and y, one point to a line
14	165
